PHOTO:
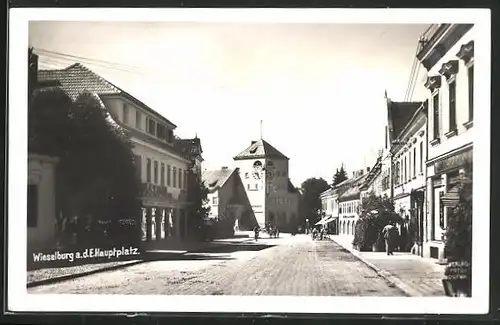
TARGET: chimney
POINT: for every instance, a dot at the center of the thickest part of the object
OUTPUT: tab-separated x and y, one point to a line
353	174
367	169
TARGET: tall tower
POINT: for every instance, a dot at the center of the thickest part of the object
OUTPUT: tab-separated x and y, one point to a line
264	172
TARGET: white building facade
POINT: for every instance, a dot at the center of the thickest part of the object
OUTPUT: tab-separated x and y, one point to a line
265	175
161	168
448	57
409	152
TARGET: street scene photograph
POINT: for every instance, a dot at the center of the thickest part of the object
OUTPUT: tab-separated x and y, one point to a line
191	158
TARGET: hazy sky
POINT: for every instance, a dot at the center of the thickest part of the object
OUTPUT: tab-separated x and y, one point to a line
319	88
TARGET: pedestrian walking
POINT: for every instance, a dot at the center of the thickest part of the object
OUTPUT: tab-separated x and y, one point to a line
390	233
256	230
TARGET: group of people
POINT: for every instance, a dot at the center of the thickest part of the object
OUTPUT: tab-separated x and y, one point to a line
320	234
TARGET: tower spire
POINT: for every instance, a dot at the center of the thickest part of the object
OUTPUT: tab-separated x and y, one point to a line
261	129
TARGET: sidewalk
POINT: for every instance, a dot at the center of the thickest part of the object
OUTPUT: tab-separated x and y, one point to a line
415	275
162	251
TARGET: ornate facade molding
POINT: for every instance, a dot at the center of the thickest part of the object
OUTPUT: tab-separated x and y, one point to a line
449	69
433	83
466	52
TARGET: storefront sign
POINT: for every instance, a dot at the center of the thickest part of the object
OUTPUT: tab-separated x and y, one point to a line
452	162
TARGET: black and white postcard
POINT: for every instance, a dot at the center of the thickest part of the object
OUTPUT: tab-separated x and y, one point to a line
249	160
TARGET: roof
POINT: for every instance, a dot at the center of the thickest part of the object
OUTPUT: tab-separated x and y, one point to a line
354	190
189	147
215	179
260	149
400	113
77	79
291	187
374	172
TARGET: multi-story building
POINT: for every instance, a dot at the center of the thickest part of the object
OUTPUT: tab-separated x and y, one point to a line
330	209
373	181
192	151
409	152
349	201
265	174
448	57
228	202
160	166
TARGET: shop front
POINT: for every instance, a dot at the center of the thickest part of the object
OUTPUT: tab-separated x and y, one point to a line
442	195
164	218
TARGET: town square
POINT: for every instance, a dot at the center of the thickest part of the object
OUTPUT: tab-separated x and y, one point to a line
180	158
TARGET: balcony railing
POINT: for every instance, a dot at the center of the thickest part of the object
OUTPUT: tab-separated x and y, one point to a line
154	191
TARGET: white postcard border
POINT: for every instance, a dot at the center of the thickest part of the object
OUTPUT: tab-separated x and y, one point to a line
20	300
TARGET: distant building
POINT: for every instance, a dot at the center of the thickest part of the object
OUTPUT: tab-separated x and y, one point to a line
330	209
228	202
349	201
448	57
192	150
265	174
373	181
160	166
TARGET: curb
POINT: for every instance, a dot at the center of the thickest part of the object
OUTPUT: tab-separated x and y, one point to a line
106	269
383	273
81	274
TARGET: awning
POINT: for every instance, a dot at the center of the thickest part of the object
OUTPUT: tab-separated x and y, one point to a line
452	197
324	221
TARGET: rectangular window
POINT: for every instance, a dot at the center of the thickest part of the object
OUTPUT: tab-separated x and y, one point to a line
405	172
453	105
215	200
151	126
180	178
386	137
174	177
125	113
246	175
185	179
470	72
170	136
168	175
156	172
409	165
162	175
421	156
161	131
148	171
248	186
435	108
32	205
256	186
414	162
138	165
138	120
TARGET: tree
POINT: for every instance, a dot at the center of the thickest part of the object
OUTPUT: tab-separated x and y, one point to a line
375	213
311	202
95	175
198	208
340	176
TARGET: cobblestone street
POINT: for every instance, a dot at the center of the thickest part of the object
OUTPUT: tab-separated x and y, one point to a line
285	266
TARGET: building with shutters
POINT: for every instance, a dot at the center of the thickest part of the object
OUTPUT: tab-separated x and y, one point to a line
161	166
265	175
448	57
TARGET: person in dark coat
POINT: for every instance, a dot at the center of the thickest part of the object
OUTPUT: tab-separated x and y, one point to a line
390	233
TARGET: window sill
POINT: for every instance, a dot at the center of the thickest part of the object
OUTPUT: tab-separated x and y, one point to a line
435	142
451	133
468	124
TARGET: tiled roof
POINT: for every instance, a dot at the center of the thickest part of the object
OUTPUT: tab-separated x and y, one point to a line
353	190
400	114
189	147
214	179
260	149
77	79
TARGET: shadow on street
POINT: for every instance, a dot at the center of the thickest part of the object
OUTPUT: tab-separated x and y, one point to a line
231	247
160	256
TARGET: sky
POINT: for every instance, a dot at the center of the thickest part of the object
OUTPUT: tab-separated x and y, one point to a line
318	88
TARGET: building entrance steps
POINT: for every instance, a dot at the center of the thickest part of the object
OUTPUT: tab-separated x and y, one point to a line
415	275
